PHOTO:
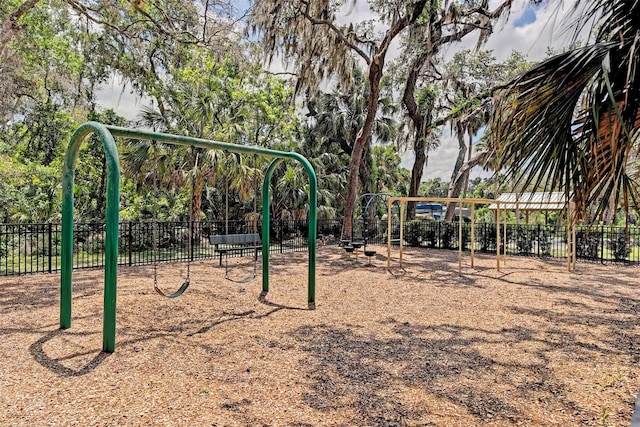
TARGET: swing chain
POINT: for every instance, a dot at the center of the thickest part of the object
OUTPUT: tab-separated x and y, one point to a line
184	285
188	278
155	275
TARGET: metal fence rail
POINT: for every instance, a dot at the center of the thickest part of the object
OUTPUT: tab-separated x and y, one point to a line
603	244
35	248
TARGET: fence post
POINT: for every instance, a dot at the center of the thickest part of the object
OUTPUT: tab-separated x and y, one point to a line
130	242
50	229
602	244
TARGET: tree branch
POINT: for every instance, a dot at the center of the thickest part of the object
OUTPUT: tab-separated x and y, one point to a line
10	26
336	31
482	97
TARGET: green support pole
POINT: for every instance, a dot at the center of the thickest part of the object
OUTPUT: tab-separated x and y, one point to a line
111	237
266	222
312	221
106	135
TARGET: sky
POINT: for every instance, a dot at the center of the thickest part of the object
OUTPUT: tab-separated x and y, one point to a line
529	29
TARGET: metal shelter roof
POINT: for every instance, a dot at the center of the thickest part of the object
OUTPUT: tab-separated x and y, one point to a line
554	201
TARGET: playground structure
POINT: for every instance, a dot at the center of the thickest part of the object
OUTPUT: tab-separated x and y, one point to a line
365	201
351	246
500	207
107	135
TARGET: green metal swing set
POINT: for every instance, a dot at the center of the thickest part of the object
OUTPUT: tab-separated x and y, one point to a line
107	134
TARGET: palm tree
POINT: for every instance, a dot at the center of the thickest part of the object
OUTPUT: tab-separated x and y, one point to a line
572	122
336	119
386	170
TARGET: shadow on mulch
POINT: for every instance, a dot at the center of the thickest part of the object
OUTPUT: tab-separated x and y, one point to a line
43	290
361	373
55	364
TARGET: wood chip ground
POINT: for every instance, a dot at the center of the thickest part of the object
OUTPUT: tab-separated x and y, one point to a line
423	345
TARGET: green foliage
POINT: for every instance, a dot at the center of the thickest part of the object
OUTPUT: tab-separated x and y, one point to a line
426	97
386	173
412	233
336	118
544	236
587	243
43	132
619	245
481	188
524	238
448	234
430	235
29	192
434	188
91	171
570	123
43	64
486	236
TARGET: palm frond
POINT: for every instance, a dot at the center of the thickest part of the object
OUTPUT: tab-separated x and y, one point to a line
533	119
572	122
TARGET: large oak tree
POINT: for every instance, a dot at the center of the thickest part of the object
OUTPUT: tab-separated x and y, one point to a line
310	38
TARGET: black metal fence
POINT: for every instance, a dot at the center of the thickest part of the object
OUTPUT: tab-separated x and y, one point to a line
604	244
33	248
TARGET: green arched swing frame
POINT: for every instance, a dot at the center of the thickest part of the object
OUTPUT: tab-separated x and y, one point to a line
107	135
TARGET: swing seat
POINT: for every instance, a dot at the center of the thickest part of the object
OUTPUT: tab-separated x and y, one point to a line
176	294
235	243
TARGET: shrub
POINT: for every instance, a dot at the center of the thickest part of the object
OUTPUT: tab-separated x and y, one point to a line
486	234
413	233
587	243
544	240
430	235
524	239
447	235
619	245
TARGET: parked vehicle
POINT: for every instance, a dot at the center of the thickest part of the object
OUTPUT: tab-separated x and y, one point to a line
429	209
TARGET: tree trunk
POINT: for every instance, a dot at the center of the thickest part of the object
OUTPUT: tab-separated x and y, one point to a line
421	124
365	169
463	173
416	173
469	153
10	27
196	199
455	190
364	135
362	141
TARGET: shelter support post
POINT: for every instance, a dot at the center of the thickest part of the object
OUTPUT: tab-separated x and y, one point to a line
473	232
460	240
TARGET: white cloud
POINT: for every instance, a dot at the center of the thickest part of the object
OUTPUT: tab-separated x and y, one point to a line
548	29
116	95
441	161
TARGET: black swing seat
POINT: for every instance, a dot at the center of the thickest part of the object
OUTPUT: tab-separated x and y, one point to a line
235	243
176	294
